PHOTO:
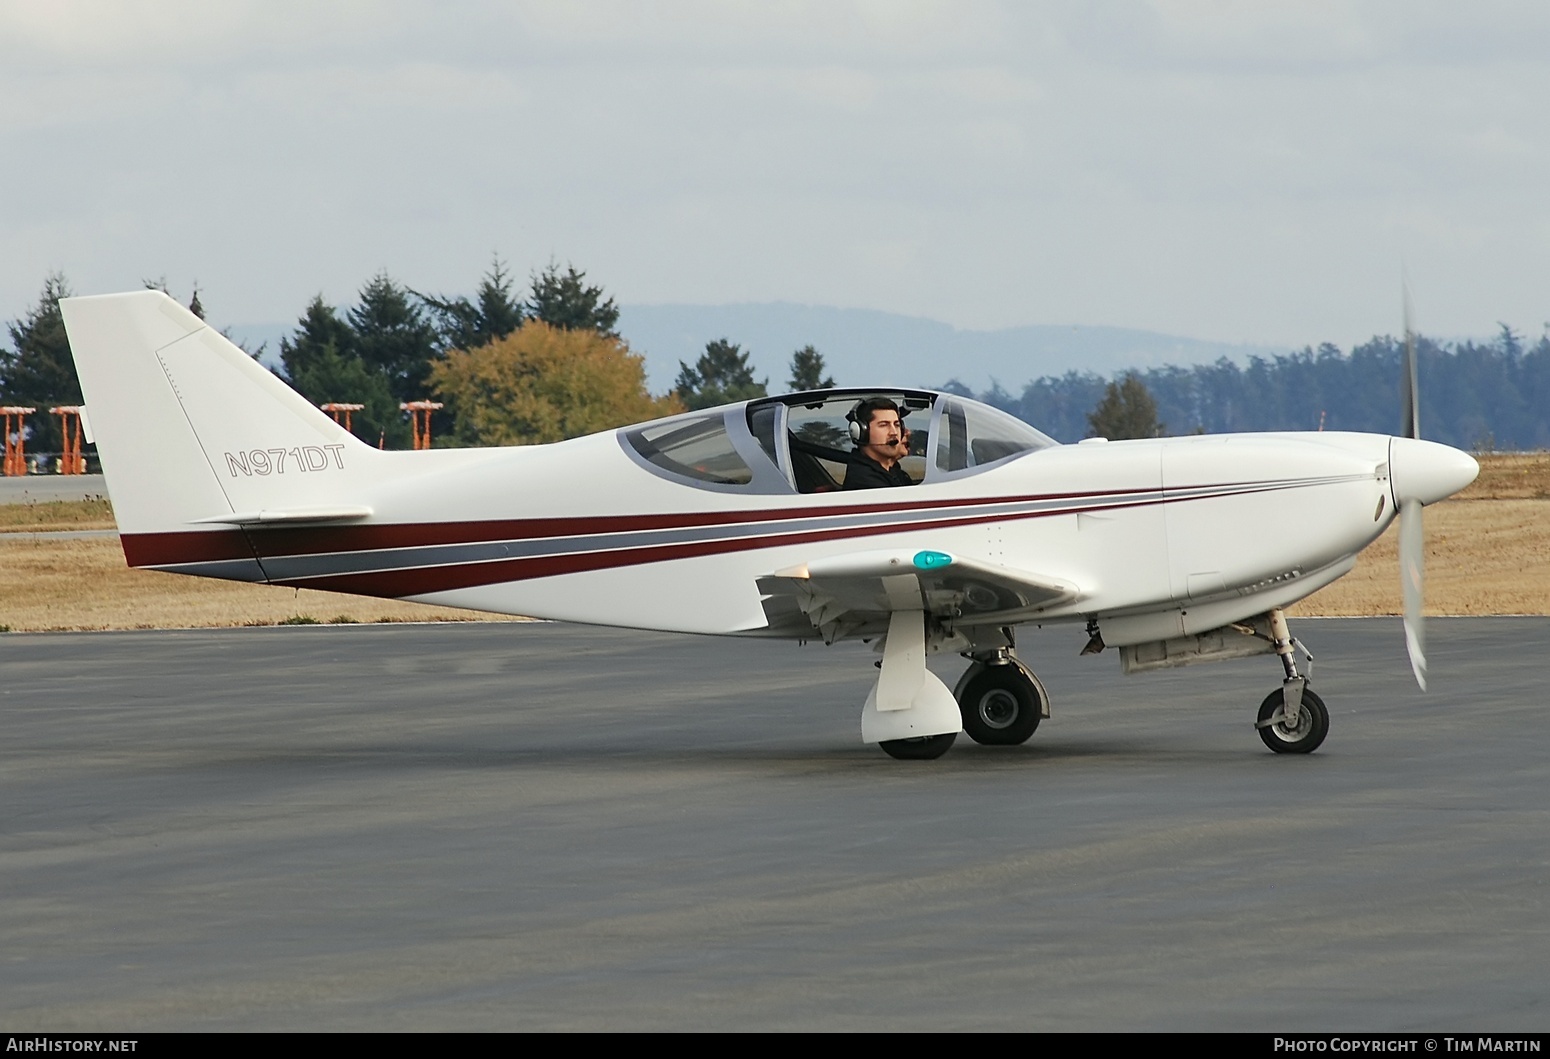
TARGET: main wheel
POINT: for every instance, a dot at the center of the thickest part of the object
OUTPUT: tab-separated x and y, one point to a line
923	748
1000	706
1312	725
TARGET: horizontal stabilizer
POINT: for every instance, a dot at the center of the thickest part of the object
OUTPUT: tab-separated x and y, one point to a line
292	517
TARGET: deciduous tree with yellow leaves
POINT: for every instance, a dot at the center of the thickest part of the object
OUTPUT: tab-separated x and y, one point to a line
543	383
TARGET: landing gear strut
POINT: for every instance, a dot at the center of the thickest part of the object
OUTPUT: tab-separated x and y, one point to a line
1294	719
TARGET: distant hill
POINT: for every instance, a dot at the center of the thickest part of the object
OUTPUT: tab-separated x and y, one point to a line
862	346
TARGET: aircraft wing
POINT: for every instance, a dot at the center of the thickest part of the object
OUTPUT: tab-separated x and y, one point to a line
844	595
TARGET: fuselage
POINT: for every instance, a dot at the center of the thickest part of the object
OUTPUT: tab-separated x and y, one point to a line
217	468
1162	537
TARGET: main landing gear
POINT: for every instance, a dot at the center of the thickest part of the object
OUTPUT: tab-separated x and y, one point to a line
922	748
1294	719
1000	702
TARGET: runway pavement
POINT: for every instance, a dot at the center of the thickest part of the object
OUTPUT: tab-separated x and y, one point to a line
553	827
43	488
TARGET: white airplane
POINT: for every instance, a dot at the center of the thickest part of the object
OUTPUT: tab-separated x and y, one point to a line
730	521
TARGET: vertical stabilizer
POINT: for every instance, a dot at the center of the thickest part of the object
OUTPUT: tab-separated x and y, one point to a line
189	428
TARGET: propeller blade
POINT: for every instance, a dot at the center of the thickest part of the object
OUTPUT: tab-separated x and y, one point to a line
1409	393
1412	570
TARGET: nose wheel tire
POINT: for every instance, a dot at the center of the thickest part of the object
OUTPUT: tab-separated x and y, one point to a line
925	748
1302	738
1000	706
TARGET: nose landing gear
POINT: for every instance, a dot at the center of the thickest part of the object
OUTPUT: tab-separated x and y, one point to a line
1300	732
1293	720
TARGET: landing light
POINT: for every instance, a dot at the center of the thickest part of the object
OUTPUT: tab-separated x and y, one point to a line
932	560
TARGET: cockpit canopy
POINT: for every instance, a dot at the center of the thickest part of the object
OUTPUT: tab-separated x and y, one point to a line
800	442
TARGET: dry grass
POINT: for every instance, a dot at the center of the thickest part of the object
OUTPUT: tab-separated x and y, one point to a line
56	515
1488	552
1511	476
1482	557
68	585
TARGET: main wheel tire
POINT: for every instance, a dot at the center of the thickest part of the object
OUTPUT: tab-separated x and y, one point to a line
1000	706
924	748
1312	724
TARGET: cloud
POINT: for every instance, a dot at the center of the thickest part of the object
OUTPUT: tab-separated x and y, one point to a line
1221	170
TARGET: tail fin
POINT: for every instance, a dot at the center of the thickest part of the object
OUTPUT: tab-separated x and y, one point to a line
192	432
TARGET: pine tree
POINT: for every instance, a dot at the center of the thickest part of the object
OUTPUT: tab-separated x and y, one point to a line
1126	411
321	364
328	375
807	371
37	371
565	301
492	315
319	329
393	337
722	375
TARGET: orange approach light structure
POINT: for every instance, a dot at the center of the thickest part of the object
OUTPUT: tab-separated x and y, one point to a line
71	461
335	408
15	438
420	413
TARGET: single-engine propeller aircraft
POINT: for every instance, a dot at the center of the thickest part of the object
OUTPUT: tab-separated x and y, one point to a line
734	521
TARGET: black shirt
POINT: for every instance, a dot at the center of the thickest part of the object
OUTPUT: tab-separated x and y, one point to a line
863	472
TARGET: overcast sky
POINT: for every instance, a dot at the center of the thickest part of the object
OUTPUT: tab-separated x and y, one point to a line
1253	172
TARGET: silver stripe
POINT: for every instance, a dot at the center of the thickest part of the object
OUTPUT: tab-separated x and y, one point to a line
326	564
225	569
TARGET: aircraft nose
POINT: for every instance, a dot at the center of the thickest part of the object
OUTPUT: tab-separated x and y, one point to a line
1427	471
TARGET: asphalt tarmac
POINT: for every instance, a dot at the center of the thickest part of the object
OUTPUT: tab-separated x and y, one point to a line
554	827
43	488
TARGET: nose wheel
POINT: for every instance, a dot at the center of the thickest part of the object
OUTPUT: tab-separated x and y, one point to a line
1292	720
1286	733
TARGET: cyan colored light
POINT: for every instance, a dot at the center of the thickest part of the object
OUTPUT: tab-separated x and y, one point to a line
932	560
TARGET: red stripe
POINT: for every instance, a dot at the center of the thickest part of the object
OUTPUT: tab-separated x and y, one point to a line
397	583
167	549
203	546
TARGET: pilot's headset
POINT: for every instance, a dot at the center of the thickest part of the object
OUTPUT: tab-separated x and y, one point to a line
858	429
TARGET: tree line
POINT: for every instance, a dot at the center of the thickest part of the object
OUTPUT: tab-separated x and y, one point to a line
548	363
541	366
1474	395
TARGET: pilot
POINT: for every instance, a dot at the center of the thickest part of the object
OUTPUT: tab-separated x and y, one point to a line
882	441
